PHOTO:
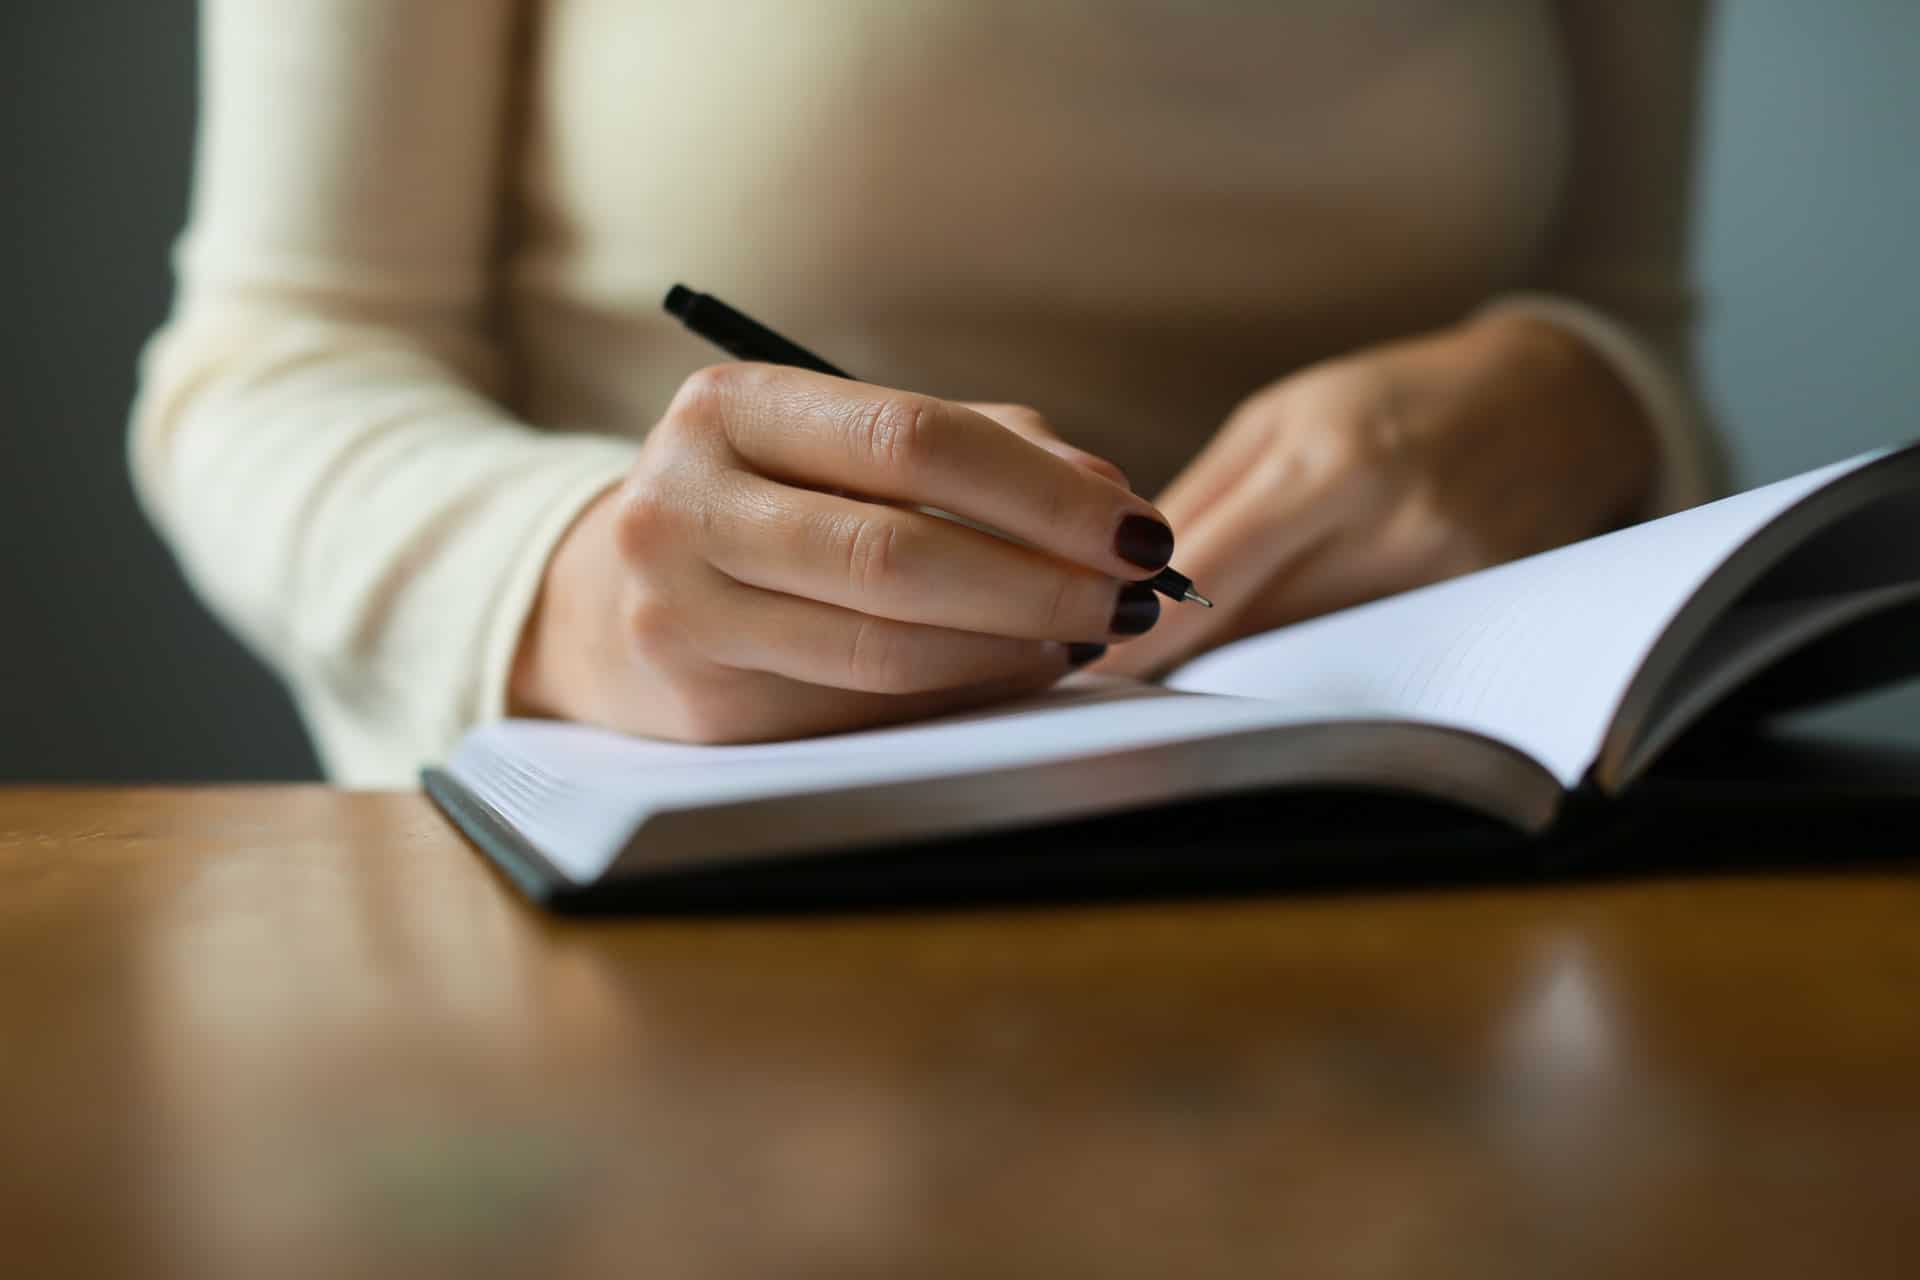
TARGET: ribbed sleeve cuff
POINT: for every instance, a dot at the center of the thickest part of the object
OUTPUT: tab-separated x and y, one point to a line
1686	473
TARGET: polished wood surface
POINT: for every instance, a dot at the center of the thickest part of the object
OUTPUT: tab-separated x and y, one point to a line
269	1032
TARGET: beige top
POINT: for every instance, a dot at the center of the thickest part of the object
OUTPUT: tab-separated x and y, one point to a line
418	322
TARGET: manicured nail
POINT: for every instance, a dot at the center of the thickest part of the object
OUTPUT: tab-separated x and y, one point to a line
1079	655
1144	541
1137	610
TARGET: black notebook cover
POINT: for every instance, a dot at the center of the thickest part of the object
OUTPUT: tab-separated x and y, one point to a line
1715	805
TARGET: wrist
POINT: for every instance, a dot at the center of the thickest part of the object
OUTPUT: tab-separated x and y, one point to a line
545	674
1579	395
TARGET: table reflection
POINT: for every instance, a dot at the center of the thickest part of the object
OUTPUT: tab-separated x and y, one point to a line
363	1050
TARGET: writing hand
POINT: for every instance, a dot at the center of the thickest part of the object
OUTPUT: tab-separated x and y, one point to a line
735	588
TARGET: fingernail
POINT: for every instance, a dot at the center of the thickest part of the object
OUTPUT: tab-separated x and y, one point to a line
1079	655
1137	610
1144	541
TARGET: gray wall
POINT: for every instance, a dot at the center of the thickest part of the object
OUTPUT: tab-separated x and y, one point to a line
1805	237
108	668
1807	242
1810	195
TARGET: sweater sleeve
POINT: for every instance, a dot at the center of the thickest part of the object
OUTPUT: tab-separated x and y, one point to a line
1616	271
319	431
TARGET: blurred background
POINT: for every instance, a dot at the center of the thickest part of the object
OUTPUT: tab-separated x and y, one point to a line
1807	205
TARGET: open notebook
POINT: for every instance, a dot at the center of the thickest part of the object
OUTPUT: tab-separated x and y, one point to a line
1501	692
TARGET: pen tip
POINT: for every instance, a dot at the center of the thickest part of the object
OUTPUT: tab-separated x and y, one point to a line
679	300
1194	597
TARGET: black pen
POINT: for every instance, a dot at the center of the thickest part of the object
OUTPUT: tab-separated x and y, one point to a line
746	338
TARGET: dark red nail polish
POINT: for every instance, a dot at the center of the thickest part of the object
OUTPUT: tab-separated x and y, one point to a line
1079	655
1138	609
1144	541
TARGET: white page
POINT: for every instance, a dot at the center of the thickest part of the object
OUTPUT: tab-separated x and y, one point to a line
577	792
1536	653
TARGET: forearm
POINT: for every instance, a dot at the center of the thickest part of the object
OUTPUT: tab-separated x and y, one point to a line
366	518
320	431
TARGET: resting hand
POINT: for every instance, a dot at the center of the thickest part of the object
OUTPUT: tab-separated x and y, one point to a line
732	588
1396	467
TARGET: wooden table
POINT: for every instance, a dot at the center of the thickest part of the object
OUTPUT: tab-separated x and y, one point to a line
275	1032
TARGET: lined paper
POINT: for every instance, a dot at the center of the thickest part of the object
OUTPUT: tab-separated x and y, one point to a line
1537	653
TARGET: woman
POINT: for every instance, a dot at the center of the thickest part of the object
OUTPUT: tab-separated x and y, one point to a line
1360	296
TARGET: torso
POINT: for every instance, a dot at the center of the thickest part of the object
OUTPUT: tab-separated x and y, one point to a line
1127	214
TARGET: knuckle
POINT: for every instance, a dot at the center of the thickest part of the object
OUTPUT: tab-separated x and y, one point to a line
1261	414
1343	448
1432	536
643	518
676	506
893	432
879	659
1358	455
1277	473
874	554
652	628
704	391
1376	443
1427	508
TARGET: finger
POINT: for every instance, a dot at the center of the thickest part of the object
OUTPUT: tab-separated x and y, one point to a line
822	644
1240	549
822	432
909	566
1213	474
757	706
1334	575
1353	568
1031	425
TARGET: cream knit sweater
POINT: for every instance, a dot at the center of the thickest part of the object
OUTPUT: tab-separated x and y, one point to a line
418	323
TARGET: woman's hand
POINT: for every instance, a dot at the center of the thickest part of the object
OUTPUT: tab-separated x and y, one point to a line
1396	467
734	588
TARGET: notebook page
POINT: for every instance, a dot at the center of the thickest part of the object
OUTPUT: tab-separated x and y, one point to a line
1537	652
1749	638
578	792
